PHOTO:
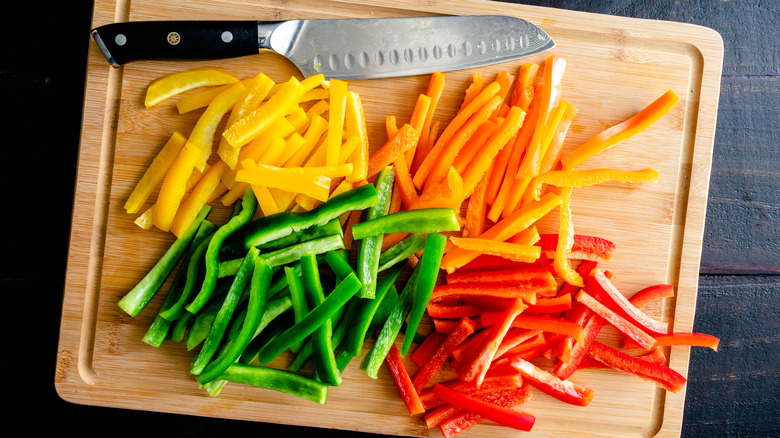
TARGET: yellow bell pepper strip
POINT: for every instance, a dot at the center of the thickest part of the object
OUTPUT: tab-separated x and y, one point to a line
294	180
589	177
317	109
355	126
507	250
338	105
265	200
318	126
174	186
199	100
202	135
177	83
155	173
427	277
460	119
145	220
622	131
370	248
504	229
315	94
565	242
197	198
255	123
248	208
405	139
256	91
139	296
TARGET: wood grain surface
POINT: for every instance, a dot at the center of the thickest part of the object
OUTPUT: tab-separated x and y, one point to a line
740	237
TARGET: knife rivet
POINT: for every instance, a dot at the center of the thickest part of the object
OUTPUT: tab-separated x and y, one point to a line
227	36
120	39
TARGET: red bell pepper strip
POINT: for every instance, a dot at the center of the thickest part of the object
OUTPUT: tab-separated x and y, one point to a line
548	306
532	277
451	311
660	374
650	294
623	325
519	337
488	262
470	343
483	290
689	339
402	381
563	390
585	247
453	420
423	351
599	286
446	325
551	325
499	414
576	353
455	337
656	356
473	366
494	381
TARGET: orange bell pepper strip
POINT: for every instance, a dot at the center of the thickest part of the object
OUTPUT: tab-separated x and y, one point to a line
174	186
355	124
504	229
391	126
478	167
405	138
176	83
446	193
430	128
565	242
589	177
255	123
338	106
155	173
622	131
475	211
552	155
432	158
473	145
498	170
417	120
523	93
473	90
198	197
407	193
506	80
511	251
447	153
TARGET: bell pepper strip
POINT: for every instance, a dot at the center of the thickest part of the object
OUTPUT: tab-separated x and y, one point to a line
202	135
523	93
688	339
160	327
446	193
255	123
198	197
320	245
392	326
532	277
324	358
584	247
651	294
366	310
561	263
473	144
410	244
177	83
520	220
403	183
201	99
258	298
444	292
421	176
462	330
662	375
473	90
256	91
589	177
429	128
443	325
397	145
355	125
190	270
180	327
494	381
485	262
543	323
475	211
248	208
474	364
495	174
477	168
563	390
424	350
139	296
511	251
452	311
330	228
273	328
461	422
226	310
427	220
550	306
300	304
343	292
370	248
425	283
403	381
174	186
501	415
604	291
655	357
565	114
277	380
338	103
621	324
314	184
622	131
520	341
203	320
417	120
155	173
270	228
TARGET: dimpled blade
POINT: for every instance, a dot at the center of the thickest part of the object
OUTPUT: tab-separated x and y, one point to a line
386	47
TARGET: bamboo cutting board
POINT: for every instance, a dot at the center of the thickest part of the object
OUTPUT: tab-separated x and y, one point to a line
615	67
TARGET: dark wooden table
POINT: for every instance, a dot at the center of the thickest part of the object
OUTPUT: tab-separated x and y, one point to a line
732	392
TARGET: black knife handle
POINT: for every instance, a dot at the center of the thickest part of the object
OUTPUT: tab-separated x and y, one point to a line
192	39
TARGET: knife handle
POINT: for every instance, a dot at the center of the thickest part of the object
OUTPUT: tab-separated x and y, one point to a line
193	39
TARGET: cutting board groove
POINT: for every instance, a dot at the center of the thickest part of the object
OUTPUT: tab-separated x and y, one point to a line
615	66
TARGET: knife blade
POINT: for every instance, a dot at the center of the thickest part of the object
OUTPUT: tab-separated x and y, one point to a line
337	48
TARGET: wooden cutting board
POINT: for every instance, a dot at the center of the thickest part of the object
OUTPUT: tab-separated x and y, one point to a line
615	66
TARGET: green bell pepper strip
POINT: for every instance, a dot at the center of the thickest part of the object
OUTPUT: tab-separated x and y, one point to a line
202	324
180	327
300	304
315	318
430	263
258	298
322	350
368	307
329	228
279	225
373	360
229	267
304	354
277	380
370	248
338	261
248	208
191	270
275	320
295	252
424	220
399	252
138	297
160	327
234	294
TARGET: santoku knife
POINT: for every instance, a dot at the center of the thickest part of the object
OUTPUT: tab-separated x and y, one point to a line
337	48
